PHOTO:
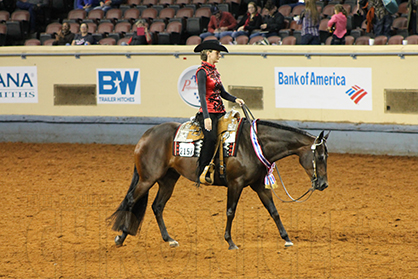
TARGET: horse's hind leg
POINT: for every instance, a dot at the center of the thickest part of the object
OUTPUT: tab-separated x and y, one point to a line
165	191
267	200
128	217
234	194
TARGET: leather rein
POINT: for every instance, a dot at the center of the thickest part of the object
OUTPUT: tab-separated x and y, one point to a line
314	178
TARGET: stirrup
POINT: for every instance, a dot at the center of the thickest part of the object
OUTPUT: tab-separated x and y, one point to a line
204	179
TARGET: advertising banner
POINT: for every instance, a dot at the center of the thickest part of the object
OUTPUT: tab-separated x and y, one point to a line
323	88
187	87
118	86
18	85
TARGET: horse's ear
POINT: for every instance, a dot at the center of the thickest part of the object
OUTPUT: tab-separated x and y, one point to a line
327	135
319	138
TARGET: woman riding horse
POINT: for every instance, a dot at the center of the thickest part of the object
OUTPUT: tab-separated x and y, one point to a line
211	107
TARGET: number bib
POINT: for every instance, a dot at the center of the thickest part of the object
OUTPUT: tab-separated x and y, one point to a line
186	149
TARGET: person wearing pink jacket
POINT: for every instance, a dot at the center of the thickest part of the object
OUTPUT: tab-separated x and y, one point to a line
339	21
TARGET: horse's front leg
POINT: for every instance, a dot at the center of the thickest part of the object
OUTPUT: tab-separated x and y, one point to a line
164	194
267	200
234	193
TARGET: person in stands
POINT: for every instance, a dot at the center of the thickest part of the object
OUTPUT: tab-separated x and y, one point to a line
221	24
339	21
83	38
64	36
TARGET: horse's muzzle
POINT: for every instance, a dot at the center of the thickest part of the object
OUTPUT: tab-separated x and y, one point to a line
320	186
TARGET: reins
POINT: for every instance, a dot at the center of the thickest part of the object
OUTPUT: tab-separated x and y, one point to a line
248	113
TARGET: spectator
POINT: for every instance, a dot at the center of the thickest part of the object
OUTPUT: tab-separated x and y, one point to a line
249	22
383	18
273	21
310	18
106	5
412	17
37	9
64	36
142	36
87	5
83	38
8	5
339	20
221	24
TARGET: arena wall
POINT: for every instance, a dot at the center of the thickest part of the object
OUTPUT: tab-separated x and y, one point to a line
67	111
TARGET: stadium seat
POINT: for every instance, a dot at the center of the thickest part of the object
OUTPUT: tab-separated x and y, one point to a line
48	42
171	35
255	39
285	10
4	16
194	26
184	13
349	40
362	40
149	14
3	34
91	27
167	13
274	40
103	30
133	3
208	38
400	26
74	27
149	3
193	40
32	42
94	16
380	40
131	15
113	16
403	9
412	39
123	40
107	41
18	25
328	11
323	30
297	10
227	40
395	40
50	31
77	15
242	40
290	40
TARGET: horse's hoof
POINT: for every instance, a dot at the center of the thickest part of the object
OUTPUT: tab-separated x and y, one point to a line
233	247
173	243
288	244
118	240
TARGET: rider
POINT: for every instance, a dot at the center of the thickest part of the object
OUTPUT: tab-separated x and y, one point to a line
210	90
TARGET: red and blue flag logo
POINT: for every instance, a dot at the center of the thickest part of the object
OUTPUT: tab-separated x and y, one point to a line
356	93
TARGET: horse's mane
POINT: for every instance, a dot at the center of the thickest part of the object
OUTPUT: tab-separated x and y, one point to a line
283	127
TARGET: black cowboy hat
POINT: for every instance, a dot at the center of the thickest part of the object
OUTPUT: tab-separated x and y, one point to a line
210	44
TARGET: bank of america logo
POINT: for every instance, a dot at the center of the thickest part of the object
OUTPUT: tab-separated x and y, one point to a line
356	93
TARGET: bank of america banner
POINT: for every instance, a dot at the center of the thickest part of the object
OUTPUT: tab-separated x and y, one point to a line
323	88
18	85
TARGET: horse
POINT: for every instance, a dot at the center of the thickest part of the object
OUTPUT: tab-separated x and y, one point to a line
155	163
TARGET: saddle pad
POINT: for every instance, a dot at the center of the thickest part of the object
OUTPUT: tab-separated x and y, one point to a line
189	138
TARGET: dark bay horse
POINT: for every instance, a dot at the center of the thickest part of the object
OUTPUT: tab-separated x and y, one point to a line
154	162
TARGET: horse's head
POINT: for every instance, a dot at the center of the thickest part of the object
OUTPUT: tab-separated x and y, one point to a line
314	161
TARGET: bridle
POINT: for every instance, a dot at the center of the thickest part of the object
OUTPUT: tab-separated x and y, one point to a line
314	178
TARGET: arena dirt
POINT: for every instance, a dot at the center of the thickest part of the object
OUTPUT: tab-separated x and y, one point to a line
56	198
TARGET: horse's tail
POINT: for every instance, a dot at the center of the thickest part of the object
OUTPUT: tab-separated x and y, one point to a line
130	214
